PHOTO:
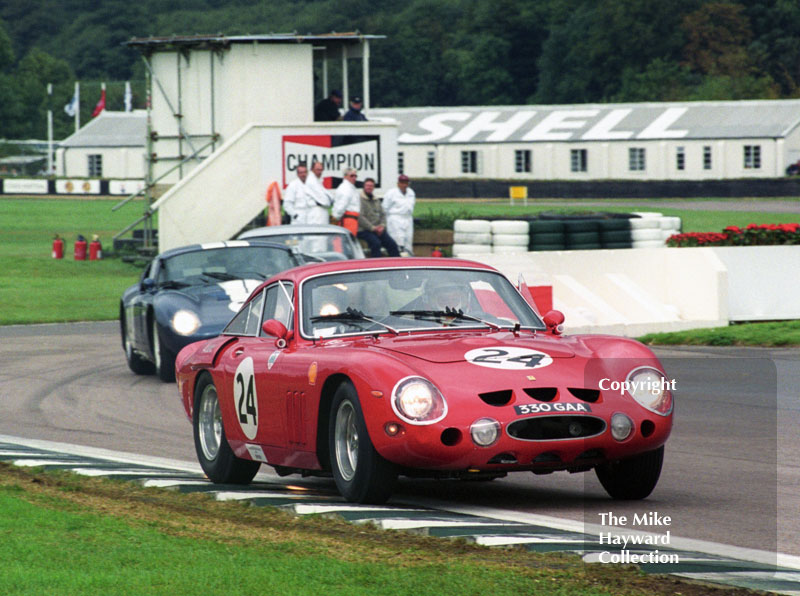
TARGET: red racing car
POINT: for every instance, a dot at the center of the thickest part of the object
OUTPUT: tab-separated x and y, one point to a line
371	369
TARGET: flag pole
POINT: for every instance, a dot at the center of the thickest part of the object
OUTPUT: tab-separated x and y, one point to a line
77	105
49	129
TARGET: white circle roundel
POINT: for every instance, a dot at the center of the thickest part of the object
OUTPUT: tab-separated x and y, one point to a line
245	399
509	358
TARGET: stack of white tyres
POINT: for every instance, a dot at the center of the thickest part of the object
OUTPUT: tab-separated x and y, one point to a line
472	237
651	229
510	236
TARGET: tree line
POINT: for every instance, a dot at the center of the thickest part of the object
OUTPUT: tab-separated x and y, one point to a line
437	52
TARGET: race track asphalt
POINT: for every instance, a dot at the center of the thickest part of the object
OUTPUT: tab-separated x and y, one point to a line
731	474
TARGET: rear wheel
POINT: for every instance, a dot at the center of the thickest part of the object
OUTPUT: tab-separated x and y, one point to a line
164	359
136	363
361	474
633	478
213	451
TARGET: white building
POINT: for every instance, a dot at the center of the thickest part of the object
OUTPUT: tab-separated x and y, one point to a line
642	141
111	145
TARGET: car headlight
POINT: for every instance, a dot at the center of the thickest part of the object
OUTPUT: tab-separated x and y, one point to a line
417	401
185	322
650	388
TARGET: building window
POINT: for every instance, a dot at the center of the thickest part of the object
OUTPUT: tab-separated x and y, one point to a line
522	160
752	157
95	166
401	162
577	160
469	162
707	157
680	158
636	161
431	162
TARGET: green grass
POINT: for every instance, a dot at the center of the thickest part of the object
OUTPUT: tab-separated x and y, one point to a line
34	287
66	535
778	334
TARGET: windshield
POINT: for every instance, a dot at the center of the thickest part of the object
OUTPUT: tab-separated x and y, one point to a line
331	247
224	264
397	300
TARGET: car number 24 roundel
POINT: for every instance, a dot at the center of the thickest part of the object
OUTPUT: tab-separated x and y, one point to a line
245	399
508	357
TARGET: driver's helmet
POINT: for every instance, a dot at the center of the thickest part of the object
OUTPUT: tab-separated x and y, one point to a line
444	293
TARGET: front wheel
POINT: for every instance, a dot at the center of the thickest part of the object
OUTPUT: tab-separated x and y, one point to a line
361	474
633	478
136	363
213	451
163	358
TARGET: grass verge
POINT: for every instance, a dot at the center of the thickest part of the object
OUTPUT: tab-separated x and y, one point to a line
773	334
64	535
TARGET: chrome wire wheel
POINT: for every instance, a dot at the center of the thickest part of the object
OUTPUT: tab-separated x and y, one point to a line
209	422
346	440
156	346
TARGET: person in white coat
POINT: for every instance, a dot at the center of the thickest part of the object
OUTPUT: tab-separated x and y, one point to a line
320	199
398	204
295	198
347	202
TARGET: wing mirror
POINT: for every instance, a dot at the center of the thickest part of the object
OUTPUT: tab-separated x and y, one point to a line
274	328
148	283
553	319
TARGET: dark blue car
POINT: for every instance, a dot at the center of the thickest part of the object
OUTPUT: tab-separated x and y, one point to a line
190	293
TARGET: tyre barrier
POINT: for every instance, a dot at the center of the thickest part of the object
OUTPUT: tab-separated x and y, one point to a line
510	240
510	227
546	238
472	237
552	246
472	225
646	234
471	249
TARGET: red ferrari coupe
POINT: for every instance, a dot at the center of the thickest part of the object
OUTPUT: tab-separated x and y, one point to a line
441	367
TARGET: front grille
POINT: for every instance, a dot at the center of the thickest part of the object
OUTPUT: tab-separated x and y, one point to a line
550	428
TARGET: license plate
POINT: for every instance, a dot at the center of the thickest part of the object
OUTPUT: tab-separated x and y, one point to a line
555	407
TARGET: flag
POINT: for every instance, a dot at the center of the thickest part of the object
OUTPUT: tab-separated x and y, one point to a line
72	106
101	105
128	97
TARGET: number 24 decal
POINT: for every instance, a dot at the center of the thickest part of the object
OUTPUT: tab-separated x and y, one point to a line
508	357
246	398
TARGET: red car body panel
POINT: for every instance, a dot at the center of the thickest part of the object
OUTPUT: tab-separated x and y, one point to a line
293	384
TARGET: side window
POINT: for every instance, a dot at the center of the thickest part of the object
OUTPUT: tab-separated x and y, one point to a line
247	321
279	303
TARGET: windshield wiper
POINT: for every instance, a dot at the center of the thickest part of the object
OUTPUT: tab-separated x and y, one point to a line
173	284
221	275
447	312
352	315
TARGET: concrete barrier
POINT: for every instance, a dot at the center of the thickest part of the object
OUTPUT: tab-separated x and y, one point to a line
627	291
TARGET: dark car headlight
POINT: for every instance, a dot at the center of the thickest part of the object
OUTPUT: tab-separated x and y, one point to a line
417	401
185	322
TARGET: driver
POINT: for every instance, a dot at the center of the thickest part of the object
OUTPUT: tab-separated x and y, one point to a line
442	293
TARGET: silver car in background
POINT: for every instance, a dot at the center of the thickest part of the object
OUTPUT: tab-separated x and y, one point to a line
327	242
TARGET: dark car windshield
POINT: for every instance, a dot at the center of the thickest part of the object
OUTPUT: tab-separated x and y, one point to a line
328	246
225	263
406	299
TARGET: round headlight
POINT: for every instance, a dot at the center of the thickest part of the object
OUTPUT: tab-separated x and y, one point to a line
485	432
621	426
418	401
185	322
650	388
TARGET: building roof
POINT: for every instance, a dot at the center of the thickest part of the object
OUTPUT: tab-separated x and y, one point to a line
594	122
150	44
111	129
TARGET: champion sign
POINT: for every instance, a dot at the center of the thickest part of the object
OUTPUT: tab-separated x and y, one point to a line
335	152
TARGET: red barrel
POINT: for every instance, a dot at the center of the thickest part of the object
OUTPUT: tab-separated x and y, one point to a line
80	249
58	248
95	250
436	252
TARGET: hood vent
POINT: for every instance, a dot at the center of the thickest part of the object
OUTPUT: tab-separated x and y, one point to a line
542	393
497	398
588	395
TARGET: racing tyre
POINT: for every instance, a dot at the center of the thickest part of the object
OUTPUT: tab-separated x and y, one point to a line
361	474
164	360
633	478
136	363
213	451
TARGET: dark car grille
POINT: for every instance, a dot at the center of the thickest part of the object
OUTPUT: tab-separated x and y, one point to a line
497	398
550	428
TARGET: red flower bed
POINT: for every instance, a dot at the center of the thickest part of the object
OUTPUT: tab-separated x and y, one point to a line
752	235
